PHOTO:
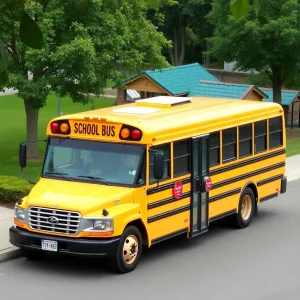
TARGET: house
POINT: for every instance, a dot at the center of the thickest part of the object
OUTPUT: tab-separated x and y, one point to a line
217	89
173	81
290	101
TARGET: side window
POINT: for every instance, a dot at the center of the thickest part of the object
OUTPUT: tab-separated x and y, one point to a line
182	156
245	140
275	132
166	150
260	133
214	149
229	144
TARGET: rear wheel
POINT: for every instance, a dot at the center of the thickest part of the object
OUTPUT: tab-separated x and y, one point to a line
129	250
246	209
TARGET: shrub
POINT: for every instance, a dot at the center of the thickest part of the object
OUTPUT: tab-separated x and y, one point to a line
12	187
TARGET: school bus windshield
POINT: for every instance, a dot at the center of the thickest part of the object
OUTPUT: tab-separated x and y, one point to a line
106	163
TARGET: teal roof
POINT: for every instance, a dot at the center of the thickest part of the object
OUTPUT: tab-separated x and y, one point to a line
223	90
287	97
177	80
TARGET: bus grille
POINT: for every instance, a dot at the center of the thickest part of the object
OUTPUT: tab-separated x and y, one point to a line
54	220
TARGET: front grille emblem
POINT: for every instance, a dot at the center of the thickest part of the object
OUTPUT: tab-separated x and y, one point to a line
53	220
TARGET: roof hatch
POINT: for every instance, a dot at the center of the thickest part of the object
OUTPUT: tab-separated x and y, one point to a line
163	101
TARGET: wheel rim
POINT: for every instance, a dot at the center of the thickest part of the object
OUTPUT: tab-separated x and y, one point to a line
246	207
130	249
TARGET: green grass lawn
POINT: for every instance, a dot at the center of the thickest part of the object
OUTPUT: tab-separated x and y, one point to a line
293	147
13	129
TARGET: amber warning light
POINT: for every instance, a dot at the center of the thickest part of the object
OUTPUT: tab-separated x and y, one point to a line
60	127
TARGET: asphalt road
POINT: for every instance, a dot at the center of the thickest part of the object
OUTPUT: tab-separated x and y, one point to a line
261	262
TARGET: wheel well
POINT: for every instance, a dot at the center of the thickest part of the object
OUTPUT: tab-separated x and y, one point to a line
253	187
141	227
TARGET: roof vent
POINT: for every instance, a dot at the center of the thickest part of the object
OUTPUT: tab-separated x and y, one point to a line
163	101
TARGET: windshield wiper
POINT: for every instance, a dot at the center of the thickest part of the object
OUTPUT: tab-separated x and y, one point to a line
95	178
59	174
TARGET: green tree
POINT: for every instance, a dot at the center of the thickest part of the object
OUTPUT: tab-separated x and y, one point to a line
86	42
184	24
268	41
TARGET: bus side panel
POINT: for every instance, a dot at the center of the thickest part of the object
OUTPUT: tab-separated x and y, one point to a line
161	229
228	185
166	214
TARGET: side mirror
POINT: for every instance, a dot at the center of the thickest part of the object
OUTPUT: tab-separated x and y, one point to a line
158	165
22	155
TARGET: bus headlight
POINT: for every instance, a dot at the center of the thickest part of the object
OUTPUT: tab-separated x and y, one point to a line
104	225
20	213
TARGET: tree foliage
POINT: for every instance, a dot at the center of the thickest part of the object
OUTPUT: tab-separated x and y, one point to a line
184	24
267	42
86	42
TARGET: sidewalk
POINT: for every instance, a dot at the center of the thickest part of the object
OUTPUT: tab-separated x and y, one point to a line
7	251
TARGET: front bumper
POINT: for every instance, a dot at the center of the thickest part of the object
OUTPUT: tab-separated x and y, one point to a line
72	246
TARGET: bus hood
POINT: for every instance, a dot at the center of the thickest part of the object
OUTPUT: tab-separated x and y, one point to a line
77	196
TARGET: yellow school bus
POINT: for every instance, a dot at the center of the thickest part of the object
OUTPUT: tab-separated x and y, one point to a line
121	178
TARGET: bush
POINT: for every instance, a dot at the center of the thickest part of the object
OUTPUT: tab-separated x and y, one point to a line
12	187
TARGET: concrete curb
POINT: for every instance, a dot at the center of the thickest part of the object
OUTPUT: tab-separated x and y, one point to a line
9	254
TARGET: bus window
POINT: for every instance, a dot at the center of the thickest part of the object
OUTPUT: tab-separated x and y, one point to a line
245	140
229	144
275	132
214	149
182	161
260	133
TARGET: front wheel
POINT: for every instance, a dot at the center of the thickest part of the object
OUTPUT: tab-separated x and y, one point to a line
129	250
246	209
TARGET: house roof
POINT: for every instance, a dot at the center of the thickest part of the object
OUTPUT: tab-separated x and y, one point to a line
224	90
177	80
287	96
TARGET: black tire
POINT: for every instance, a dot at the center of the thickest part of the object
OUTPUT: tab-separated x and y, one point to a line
130	235
245	214
33	255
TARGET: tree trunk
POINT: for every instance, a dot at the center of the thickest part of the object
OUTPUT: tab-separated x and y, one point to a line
177	52
32	115
277	83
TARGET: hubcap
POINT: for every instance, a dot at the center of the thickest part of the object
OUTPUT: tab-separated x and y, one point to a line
246	207
130	249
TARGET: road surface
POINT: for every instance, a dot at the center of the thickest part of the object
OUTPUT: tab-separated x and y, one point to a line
261	262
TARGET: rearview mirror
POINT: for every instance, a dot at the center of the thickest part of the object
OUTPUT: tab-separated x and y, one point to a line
158	165
22	155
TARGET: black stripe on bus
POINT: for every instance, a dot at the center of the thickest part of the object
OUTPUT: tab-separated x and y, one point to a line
168	200
246	162
224	195
247	175
263	199
270	179
168	236
166	186
169	213
223	215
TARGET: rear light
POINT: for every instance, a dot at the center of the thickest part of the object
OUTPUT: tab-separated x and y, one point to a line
60	127
130	133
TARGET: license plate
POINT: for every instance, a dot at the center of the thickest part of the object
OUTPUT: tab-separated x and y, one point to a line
49	245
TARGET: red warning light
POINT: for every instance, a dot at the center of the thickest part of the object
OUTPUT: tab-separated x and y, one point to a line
135	134
54	127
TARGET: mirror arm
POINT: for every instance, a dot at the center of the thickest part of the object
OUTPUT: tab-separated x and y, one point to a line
23	174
